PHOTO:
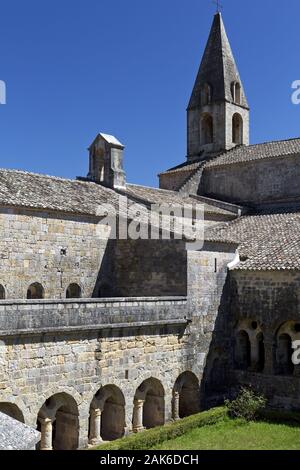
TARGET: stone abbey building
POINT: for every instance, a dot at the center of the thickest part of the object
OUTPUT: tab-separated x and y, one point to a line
100	337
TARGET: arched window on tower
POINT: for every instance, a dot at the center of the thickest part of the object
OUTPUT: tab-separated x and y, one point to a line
236	92
237	129
207	129
206	94
35	291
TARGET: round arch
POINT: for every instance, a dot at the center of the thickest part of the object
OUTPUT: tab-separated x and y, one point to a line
107	415
73	291
242	352
285	334
58	422
186	395
207	129
149	405
236	92
237	129
12	410
35	291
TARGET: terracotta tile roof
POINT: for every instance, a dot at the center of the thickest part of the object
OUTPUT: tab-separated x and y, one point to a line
266	242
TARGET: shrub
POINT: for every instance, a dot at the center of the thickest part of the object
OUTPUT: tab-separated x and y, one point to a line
248	405
148	439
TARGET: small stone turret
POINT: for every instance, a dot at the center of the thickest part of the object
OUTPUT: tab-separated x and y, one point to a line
106	162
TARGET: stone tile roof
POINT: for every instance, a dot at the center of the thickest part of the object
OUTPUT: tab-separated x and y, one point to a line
266	242
218	67
42	192
111	139
183	168
15	435
243	153
23	189
163	196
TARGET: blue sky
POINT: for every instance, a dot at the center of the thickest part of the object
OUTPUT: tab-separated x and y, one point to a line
127	67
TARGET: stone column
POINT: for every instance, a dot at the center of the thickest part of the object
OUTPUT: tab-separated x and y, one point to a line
176	396
95	427
137	425
46	434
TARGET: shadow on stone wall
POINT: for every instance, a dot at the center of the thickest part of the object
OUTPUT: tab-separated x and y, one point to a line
215	385
142	268
105	283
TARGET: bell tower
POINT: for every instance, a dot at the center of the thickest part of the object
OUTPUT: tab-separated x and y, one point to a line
218	111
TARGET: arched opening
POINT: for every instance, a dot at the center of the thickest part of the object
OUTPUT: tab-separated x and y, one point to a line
236	92
207	129
261	352
237	129
149	405
232	88
12	410
242	351
284	353
58	423
2	292
186	396
107	415
73	291
206	94
35	291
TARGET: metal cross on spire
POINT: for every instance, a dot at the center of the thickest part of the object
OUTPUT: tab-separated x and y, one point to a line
218	5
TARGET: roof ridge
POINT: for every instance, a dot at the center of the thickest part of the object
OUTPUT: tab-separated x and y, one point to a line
32	173
271	142
258	151
156	189
52	177
259	144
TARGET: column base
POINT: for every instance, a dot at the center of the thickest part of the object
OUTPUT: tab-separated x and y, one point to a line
95	442
139	429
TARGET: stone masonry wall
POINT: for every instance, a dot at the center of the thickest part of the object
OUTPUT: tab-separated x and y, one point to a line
209	296
173	181
31	247
247	183
270	299
153	341
56	250
150	267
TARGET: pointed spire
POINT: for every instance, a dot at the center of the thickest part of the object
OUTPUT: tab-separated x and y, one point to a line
218	67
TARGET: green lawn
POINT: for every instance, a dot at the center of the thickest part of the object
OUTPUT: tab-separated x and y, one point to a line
237	435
